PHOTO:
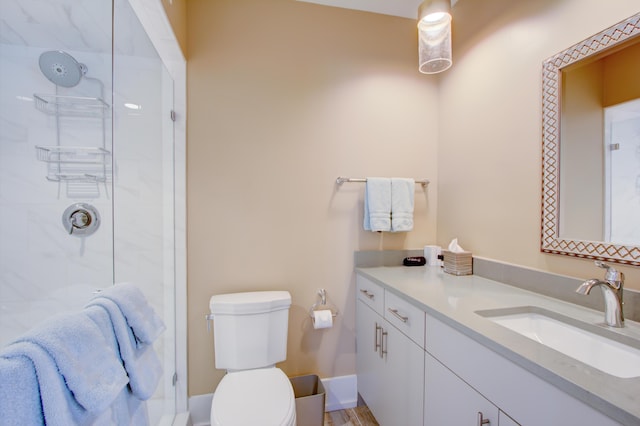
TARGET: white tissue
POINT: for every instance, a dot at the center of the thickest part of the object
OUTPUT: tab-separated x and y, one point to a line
322	319
454	247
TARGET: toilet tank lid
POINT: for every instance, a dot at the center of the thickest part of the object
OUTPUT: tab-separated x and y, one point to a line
249	302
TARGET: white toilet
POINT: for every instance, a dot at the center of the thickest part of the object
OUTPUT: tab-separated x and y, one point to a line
250	333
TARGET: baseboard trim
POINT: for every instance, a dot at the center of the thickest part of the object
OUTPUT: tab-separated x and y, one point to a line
200	409
341	393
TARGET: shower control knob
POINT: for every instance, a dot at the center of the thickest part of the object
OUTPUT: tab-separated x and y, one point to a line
81	219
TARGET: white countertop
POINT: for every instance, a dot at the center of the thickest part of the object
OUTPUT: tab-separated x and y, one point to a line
454	300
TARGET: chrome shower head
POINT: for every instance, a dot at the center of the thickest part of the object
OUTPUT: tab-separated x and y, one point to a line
61	68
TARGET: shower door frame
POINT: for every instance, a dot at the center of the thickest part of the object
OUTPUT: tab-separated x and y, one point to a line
154	20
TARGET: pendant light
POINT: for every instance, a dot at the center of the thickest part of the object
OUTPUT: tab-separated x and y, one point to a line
434	36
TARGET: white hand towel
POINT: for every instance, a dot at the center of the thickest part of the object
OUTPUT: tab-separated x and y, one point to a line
377	204
402	190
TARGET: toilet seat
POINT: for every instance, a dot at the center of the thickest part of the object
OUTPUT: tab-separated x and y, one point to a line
254	397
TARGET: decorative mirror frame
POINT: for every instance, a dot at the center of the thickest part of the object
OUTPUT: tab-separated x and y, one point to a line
551	81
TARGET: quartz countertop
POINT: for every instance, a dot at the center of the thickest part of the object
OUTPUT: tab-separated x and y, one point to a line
455	300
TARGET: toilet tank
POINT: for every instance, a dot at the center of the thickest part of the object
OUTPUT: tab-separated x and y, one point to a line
250	329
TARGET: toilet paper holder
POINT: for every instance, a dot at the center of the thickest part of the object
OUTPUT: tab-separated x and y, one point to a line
321	304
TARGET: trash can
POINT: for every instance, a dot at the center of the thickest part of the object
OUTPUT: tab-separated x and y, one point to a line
310	396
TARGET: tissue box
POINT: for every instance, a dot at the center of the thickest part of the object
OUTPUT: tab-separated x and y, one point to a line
457	263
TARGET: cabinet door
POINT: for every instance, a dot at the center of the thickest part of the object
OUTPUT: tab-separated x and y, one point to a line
450	401
505	420
368	361
403	380
390	376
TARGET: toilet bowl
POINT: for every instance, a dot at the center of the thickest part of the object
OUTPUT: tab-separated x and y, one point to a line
250	333
254	397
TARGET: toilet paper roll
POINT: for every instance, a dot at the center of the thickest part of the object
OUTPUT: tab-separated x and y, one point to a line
322	319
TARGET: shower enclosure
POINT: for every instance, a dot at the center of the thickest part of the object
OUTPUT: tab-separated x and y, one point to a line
91	167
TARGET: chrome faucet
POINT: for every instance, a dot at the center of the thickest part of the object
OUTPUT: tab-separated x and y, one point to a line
612	287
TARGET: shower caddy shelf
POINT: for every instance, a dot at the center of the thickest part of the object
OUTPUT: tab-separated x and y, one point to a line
71	106
73	163
71	154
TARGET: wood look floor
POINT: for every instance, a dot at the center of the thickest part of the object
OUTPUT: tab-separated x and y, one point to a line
357	416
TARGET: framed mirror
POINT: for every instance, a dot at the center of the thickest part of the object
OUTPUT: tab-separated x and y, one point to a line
591	147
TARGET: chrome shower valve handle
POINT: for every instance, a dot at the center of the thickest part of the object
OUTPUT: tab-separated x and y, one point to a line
81	219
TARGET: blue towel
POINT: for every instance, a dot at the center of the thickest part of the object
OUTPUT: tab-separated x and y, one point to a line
19	390
78	375
140	316
402	190
377	204
139	360
127	409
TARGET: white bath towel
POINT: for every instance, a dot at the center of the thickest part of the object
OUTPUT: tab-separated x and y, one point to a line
402	201
139	360
377	204
78	376
145	323
19	391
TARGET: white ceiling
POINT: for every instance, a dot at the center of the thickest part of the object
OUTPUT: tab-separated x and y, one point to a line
402	8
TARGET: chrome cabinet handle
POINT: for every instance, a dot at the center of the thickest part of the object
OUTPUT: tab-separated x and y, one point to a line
369	295
397	315
383	346
376	343
482	420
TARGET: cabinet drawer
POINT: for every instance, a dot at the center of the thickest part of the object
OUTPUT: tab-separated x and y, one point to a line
370	293
405	317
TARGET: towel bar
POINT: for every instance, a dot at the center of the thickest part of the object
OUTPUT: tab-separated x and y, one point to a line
340	180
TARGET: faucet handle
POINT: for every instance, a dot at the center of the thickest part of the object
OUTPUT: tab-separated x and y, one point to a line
611	275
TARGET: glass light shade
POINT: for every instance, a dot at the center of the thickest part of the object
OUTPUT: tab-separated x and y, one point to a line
434	43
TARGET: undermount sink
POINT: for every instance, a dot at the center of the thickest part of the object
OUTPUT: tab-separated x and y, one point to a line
591	344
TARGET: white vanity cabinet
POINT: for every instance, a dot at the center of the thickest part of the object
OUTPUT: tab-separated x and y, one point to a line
390	365
473	368
424	368
504	420
450	401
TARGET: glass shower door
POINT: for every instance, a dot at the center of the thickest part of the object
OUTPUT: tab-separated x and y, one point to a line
143	186
86	139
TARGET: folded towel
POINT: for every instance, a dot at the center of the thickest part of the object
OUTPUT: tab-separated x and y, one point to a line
83	358
402	190
139	360
19	390
125	410
78	375
377	204
140	316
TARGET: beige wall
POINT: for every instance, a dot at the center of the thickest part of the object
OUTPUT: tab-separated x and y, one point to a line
176	11
581	154
489	150
284	97
621	75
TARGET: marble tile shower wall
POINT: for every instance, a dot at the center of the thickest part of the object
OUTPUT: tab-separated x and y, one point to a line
44	270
